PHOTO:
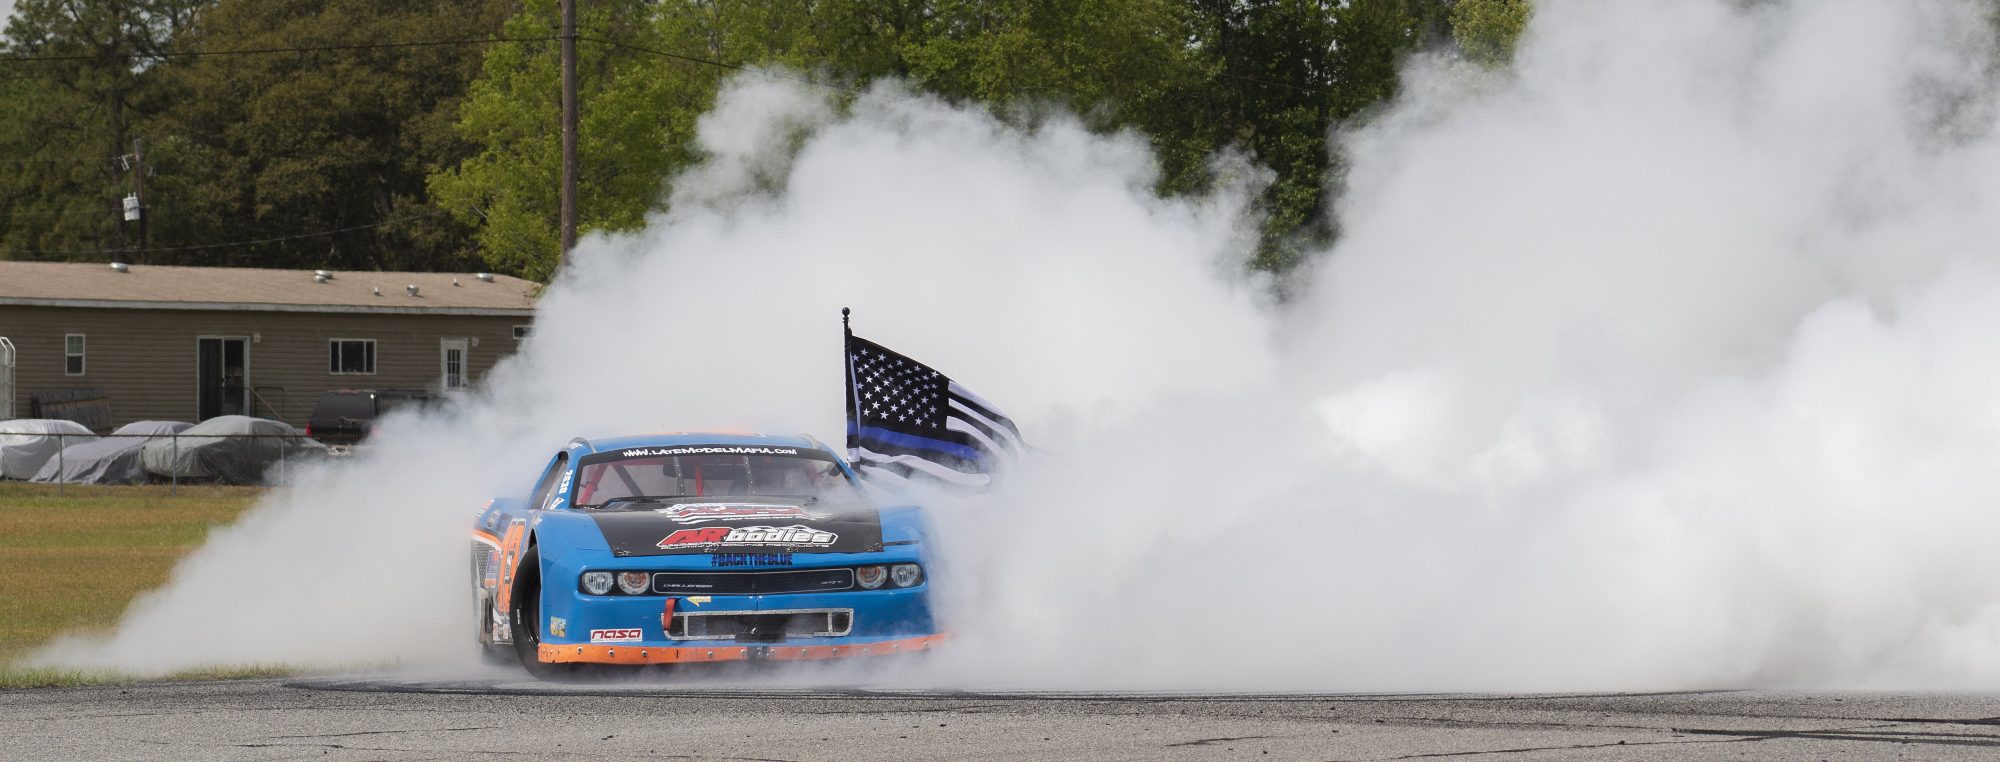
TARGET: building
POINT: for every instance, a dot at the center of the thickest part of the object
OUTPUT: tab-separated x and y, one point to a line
192	343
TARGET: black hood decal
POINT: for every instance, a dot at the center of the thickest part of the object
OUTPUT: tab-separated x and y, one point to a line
745	525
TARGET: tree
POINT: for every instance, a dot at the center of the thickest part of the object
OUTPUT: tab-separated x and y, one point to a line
290	146
1486	30
1119	62
72	117
635	119
1284	74
432	156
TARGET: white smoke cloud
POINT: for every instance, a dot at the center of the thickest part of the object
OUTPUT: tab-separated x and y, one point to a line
1660	360
1002	253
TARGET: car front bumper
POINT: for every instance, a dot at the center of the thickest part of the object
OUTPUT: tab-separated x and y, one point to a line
653	629
640	653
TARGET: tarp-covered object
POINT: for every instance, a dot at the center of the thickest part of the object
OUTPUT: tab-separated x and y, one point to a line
111	460
237	449
27	443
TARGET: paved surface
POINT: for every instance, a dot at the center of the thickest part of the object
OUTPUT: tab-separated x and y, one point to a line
356	719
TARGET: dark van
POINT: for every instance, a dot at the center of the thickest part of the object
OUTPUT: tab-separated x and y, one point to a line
347	416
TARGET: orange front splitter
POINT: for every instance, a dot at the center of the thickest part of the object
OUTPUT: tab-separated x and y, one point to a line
607	654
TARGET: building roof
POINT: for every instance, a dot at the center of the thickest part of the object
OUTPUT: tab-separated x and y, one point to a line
80	284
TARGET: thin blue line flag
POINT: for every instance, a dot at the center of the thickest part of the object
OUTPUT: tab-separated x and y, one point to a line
907	420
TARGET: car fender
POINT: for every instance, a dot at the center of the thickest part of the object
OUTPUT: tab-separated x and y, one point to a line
904	524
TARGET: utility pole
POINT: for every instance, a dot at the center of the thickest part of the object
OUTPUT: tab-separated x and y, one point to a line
568	213
139	189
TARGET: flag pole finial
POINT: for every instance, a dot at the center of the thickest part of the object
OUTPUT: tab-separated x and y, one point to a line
843	317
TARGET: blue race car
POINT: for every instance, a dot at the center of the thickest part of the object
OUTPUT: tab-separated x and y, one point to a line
678	548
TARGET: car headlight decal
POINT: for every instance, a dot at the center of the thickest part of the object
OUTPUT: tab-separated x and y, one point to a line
634	582
870	577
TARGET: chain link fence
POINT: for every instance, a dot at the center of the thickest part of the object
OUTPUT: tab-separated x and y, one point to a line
270	463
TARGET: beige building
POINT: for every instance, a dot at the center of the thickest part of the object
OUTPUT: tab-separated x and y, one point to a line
192	343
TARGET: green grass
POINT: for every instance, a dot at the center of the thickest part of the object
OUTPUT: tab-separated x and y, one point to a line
18	678
72	558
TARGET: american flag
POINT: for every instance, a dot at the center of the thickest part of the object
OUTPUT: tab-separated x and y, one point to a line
905	419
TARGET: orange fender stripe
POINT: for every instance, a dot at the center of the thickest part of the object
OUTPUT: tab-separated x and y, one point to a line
510	562
885	648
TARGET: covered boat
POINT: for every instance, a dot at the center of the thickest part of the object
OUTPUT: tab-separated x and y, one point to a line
236	449
27	443
111	460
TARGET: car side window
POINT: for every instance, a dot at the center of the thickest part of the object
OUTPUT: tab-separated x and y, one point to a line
547	486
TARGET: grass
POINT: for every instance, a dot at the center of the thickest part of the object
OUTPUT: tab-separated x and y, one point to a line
20	678
72	558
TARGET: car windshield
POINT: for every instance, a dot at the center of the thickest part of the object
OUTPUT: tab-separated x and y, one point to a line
677	472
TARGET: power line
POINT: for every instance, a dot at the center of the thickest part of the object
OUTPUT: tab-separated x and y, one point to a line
95	252
491	40
1321	89
58	159
265	51
110	210
1158	148
715	63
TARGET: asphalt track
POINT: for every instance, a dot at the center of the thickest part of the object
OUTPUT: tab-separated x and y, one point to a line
387	719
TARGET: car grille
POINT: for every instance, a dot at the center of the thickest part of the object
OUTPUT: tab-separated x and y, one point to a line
762	626
752	583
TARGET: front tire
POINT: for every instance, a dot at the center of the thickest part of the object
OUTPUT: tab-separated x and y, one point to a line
525	610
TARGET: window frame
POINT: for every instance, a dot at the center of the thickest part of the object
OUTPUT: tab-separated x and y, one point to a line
334	355
80	355
545	490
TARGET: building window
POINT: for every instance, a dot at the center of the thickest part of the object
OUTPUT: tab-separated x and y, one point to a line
520	332
73	354
351	357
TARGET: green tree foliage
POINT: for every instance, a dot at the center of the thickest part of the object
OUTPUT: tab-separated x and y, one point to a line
283	146
1487	29
1270	77
292	144
634	127
1283	74
438	156
72	117
1114	61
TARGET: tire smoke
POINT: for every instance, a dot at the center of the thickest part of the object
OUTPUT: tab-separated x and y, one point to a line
1659	360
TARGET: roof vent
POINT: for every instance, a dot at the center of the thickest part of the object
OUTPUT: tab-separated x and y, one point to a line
454	281
412	288
119	267
378	290
488	277
323	275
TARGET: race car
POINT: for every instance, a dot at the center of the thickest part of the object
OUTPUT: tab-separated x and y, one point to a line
680	548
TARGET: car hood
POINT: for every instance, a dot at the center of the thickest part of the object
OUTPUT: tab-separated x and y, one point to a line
752	525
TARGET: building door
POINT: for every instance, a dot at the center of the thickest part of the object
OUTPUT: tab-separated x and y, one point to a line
451	358
222	376
6	379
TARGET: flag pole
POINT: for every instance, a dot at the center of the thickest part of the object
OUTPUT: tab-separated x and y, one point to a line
853	404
